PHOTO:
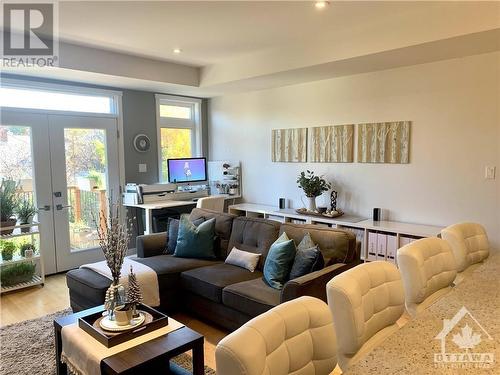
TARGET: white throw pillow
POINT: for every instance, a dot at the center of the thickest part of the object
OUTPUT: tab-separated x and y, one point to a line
243	259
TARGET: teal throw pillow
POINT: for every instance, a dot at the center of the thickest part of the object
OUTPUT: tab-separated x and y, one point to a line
279	262
195	241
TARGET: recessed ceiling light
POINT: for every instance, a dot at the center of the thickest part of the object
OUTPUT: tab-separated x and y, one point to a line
177	51
321	4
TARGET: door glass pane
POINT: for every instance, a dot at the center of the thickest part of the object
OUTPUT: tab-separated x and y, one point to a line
86	176
16	167
175	111
175	143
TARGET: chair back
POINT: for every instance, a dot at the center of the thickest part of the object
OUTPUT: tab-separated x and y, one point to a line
296	337
468	242
214	203
366	302
428	269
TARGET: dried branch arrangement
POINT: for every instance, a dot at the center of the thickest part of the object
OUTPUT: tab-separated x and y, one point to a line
114	235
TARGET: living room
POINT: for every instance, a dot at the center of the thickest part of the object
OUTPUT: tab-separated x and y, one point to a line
147	129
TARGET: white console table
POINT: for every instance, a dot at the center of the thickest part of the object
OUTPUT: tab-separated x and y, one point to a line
379	239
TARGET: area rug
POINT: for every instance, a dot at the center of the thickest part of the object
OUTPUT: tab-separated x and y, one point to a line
27	348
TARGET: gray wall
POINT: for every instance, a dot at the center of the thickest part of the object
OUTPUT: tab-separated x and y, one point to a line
139	116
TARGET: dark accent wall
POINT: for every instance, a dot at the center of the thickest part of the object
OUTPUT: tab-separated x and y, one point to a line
139	116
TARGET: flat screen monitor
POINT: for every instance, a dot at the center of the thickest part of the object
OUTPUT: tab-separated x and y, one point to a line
187	170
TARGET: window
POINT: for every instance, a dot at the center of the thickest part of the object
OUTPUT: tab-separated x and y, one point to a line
15	97
179	130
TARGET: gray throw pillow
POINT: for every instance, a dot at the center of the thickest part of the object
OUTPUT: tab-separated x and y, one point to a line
307	261
173	231
243	259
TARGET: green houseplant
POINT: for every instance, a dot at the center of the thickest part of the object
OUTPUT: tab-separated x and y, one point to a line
17	273
313	186
8	204
25	211
8	250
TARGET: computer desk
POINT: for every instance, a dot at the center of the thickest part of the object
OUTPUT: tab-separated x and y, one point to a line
150	207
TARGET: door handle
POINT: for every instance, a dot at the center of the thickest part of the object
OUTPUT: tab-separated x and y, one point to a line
44	208
59	207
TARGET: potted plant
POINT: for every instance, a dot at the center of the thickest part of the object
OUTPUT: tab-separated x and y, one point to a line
8	203
25	211
232	189
26	246
313	187
17	273
8	250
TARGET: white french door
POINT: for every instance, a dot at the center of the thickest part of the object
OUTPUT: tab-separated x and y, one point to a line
75	168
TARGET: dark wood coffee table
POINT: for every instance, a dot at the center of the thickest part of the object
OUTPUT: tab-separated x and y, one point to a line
151	357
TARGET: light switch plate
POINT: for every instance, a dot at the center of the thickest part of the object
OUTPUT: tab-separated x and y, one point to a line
489	172
143	168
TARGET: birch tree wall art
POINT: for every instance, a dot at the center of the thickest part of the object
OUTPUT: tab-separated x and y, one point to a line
384	142
289	145
331	144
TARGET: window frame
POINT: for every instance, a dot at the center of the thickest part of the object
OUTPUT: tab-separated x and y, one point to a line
194	124
115	97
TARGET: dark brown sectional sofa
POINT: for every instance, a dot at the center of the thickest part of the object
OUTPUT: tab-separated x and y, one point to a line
213	290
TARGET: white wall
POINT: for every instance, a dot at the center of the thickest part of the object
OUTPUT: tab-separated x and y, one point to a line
454	107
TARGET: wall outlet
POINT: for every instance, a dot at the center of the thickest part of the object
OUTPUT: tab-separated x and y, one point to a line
489	172
143	168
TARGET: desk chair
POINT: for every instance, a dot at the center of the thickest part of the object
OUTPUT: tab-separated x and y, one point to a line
214	203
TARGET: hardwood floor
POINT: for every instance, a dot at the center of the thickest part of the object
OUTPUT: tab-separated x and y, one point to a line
36	302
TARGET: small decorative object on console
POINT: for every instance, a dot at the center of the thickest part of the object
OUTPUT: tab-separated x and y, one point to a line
333	200
313	187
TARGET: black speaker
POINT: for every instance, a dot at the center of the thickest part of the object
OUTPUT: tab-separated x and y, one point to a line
376	214
282	203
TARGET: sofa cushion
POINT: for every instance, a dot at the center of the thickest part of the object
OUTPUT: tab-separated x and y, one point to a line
223	226
254	235
252	297
243	259
209	281
336	245
195	241
169	268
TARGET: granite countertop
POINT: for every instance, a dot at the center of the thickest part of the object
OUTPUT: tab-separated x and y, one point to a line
411	349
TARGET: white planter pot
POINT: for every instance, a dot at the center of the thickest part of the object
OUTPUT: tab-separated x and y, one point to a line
311	203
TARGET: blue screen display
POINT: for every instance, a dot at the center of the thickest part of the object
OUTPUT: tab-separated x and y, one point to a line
187	170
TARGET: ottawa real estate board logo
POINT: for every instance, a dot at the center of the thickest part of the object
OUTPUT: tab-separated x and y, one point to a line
465	344
30	38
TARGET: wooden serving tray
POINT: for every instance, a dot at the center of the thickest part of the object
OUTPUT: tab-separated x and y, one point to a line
155	321
305	212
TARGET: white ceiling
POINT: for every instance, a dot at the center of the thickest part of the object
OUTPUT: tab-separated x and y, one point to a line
238	41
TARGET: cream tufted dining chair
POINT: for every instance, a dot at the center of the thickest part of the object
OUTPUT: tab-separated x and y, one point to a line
428	269
366	302
214	203
468	242
296	337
